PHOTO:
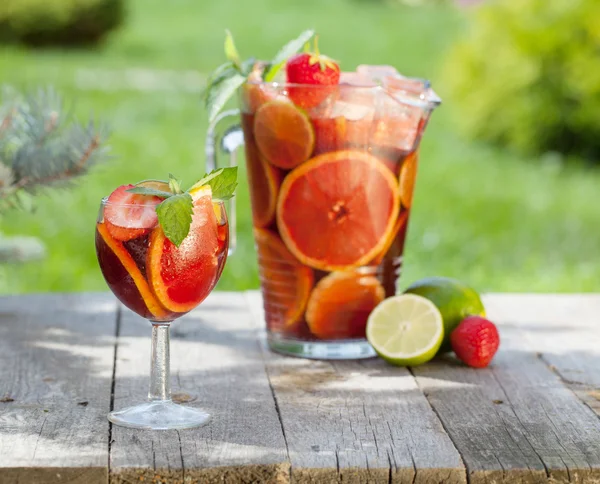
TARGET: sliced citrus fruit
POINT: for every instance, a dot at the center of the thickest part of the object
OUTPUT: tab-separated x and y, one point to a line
400	223
156	184
127	297
181	277
283	134
330	134
285	283
408	172
406	330
340	304
264	180
338	210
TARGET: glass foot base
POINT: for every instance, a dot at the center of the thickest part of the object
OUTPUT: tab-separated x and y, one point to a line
322	350
159	416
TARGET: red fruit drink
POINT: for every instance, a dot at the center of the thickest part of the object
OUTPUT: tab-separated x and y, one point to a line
331	189
147	272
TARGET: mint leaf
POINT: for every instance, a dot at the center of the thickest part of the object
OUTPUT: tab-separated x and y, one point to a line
222	182
286	51
174	184
150	191
220	93
223	186
221	73
206	178
231	52
175	217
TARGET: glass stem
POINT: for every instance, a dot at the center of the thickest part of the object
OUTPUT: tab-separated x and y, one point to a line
160	373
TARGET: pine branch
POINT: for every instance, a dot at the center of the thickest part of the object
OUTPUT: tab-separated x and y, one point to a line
42	147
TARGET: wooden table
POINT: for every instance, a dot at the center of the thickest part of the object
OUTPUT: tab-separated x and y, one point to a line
66	360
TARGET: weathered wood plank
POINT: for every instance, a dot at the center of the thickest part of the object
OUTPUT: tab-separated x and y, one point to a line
216	358
56	360
357	421
514	421
564	330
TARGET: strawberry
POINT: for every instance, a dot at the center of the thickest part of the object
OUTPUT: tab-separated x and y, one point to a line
314	69
475	341
130	215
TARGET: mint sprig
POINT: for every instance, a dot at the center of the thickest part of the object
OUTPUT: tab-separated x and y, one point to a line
222	182
285	53
226	79
175	216
176	209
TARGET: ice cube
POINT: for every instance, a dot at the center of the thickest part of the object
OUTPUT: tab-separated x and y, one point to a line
376	73
355	79
353	111
397	123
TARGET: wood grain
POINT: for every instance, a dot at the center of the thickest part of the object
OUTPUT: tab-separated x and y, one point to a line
216	361
564	331
515	421
357	421
56	359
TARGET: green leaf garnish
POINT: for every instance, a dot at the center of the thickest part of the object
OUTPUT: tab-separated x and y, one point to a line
218	95
150	191
175	216
286	51
174	185
225	80
222	182
231	52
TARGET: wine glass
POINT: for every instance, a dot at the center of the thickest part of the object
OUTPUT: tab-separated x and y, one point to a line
160	282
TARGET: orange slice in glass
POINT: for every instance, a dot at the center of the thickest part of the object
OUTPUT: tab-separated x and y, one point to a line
340	304
283	134
285	283
337	210
400	223
264	180
182	277
152	304
408	173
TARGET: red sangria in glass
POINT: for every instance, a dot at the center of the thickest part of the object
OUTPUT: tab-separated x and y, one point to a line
161	269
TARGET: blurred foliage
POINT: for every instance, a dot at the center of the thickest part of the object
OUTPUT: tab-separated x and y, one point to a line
527	76
58	22
41	148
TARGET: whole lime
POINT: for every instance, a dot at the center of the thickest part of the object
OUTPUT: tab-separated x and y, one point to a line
453	298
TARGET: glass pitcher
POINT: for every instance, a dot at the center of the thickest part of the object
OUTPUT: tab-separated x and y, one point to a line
331	172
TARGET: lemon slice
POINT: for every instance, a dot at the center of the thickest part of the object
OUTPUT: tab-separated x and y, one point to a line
406	330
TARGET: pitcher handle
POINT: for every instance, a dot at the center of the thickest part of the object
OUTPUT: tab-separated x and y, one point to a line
228	141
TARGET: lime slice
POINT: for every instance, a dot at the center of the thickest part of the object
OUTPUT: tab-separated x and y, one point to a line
406	330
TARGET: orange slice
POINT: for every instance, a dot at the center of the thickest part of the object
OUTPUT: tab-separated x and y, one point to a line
182	277
330	134
285	283
408	173
264	180
283	134
337	210
340	304
400	223
154	307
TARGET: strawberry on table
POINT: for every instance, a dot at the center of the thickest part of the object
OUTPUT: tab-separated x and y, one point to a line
475	341
311	68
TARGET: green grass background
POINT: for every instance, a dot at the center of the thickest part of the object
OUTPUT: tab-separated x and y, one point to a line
495	220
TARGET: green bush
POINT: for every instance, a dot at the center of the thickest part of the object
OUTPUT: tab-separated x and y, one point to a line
527	76
58	22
